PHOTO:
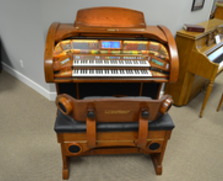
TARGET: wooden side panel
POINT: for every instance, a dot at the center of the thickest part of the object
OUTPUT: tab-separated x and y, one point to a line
109	136
48	54
177	90
174	59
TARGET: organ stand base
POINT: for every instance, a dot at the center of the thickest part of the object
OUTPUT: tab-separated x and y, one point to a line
156	159
74	143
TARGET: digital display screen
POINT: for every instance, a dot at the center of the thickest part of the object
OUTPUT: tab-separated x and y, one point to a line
111	44
157	62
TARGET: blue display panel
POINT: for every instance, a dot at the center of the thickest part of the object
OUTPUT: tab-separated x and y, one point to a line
111	44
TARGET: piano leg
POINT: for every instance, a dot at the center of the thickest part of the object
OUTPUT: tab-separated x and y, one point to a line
207	94
220	103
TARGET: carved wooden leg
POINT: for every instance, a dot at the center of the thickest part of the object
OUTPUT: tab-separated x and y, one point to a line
207	94
157	158
65	159
157	163
220	103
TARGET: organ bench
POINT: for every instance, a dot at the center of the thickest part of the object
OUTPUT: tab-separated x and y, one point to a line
149	134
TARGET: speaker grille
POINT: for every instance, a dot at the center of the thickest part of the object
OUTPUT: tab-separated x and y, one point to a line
74	149
62	107
154	146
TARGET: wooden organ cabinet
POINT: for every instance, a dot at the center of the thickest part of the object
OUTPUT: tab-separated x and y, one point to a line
109	53
201	60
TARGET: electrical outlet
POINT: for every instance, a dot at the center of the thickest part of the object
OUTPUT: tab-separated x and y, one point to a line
21	63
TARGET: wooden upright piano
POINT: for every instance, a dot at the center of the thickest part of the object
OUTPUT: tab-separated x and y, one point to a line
110	52
201	60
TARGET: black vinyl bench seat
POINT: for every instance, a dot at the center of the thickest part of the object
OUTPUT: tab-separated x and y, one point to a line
65	124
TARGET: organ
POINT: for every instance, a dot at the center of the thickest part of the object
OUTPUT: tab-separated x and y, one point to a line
110	52
109	60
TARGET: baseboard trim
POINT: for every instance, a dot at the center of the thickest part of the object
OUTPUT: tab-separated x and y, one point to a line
38	88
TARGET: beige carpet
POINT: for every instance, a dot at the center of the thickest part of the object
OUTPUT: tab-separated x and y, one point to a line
29	150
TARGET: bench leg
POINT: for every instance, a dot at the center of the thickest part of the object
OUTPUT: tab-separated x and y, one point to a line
157	163
157	158
65	159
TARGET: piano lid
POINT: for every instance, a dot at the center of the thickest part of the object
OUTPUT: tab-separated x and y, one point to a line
109	17
209	26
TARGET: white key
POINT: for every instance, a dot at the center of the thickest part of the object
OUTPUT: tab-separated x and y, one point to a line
220	65
111	63
111	73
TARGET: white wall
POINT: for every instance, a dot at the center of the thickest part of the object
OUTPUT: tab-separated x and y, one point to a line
22	36
24	25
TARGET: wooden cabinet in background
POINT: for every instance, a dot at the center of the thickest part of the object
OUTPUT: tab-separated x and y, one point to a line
219	10
201	60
